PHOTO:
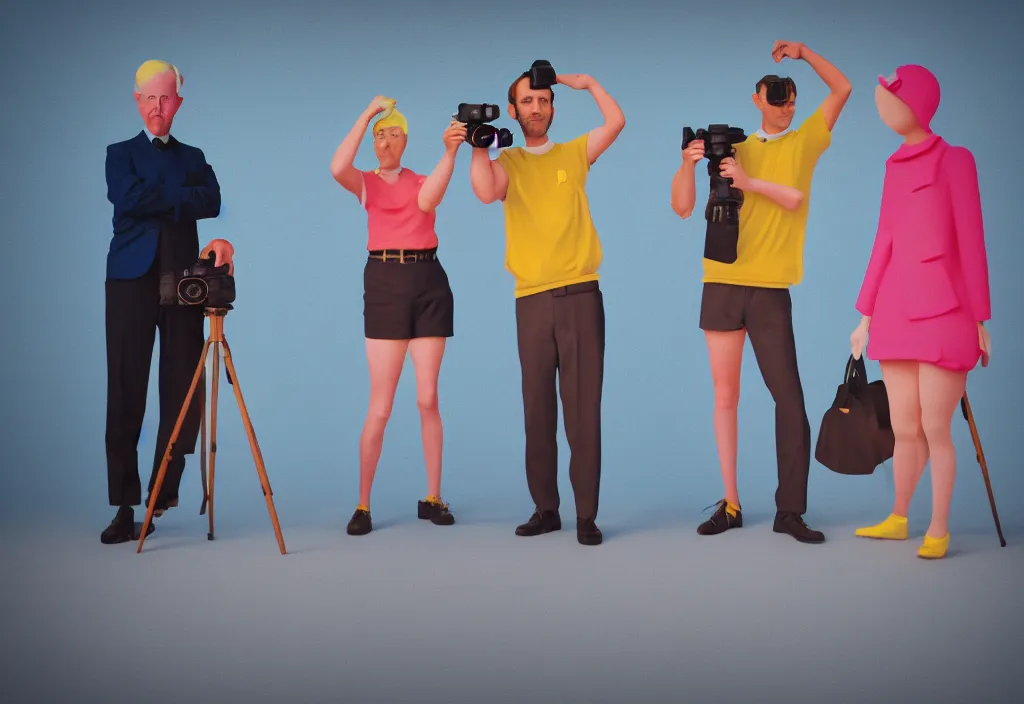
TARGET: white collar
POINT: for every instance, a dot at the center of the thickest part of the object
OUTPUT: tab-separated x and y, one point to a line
396	172
540	149
765	137
165	138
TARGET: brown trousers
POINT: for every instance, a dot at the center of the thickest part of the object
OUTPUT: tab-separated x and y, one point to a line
562	332
767	316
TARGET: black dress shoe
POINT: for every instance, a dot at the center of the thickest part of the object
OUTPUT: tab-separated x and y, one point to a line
360	523
540	522
587	532
436	512
792	524
123	528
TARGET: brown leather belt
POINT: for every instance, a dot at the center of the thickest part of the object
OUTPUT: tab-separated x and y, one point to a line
403	256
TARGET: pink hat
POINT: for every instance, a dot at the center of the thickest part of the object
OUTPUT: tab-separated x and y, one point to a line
918	88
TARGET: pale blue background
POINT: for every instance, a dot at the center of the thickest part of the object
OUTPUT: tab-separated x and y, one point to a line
270	91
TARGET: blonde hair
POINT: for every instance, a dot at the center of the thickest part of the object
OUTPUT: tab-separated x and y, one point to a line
154	67
395	119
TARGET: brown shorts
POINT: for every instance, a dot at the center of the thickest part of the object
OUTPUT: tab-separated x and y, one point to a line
728	307
407	300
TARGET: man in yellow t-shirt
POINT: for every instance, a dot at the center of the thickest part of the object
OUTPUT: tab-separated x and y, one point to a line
774	168
553	252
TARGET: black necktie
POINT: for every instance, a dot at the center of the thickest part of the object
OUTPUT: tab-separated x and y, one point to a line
159	143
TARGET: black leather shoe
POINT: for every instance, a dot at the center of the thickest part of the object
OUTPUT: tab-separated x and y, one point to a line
587	532
721	520
792	524
436	512
123	528
540	522
360	523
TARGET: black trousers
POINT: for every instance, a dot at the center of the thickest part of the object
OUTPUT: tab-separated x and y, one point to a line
562	332
133	316
767	316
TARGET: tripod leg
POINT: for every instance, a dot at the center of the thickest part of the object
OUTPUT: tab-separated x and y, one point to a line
202	445
965	407
214	386
254	446
158	484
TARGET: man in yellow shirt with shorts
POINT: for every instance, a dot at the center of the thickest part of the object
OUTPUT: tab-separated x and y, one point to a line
553	251
774	168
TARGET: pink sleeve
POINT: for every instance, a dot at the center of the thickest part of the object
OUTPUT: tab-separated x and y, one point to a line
881	253
962	174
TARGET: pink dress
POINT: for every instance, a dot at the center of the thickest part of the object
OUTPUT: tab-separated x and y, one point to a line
926	287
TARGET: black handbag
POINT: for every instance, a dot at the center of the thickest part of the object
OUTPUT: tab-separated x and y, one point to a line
856	434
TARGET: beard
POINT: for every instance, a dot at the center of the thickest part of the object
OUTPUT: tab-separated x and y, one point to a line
534	128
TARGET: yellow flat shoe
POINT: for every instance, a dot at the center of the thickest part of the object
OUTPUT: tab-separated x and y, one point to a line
892	528
933	548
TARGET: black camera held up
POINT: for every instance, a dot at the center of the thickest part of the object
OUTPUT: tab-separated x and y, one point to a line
201	284
724	201
480	134
542	75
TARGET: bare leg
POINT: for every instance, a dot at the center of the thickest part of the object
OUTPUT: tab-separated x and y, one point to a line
725	353
911	451
941	391
427	353
385	358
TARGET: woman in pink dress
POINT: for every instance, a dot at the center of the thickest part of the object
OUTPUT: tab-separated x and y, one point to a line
925	297
408	306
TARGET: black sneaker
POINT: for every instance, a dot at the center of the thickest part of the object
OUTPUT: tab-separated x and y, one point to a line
436	511
721	520
792	524
360	523
540	522
587	532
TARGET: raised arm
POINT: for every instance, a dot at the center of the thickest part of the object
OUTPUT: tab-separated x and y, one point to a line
962	174
130	194
433	189
602	137
839	85
342	168
487	177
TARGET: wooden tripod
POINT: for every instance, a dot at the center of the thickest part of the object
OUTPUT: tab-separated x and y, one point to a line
965	407
220	344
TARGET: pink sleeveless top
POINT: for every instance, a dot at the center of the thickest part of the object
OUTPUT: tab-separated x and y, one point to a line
394	219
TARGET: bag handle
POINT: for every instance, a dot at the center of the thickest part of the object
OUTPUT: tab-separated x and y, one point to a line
856	372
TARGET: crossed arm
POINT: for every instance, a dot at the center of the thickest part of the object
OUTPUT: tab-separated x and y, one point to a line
136	197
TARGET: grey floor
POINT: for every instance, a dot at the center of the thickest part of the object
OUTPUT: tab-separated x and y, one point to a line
471	613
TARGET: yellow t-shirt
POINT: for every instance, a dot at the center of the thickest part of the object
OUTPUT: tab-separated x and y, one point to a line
770	250
550	239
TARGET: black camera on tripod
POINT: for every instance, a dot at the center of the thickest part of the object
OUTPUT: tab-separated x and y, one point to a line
479	133
724	201
201	284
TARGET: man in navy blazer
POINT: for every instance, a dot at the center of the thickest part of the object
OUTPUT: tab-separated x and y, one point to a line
159	188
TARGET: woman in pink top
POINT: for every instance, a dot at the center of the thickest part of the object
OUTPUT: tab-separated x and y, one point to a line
925	297
407	301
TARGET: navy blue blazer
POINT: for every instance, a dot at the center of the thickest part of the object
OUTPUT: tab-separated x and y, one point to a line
154	190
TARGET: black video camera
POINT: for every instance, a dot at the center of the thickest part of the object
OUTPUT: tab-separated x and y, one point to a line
201	284
479	134
542	75
777	89
724	202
